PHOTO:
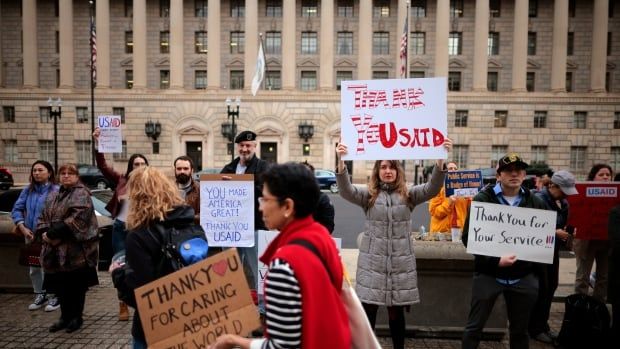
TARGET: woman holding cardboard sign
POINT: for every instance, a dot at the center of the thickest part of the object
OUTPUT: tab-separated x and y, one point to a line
386	267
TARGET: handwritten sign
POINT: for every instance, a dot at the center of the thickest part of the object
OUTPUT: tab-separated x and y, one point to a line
110	137
497	230
227	209
394	119
589	210
264	239
463	183
193	306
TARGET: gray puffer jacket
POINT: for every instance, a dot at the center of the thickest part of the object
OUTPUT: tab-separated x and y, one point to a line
386	267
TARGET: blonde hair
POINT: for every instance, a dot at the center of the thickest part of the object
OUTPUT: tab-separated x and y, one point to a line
400	183
151	196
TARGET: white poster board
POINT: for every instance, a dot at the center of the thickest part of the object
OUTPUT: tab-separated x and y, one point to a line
110	136
227	209
497	230
394	119
264	239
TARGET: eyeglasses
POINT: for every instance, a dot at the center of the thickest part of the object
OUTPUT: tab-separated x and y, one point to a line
262	200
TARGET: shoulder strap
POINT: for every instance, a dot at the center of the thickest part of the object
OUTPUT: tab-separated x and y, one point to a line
308	245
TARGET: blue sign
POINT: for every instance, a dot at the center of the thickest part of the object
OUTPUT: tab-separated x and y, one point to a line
463	183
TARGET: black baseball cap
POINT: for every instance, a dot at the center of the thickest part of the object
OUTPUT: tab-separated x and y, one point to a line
511	159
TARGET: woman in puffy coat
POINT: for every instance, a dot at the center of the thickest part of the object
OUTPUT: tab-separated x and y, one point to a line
386	267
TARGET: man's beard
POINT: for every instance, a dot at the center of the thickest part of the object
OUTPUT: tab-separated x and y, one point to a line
182	178
246	157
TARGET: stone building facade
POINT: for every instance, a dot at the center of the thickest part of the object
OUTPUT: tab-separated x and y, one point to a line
538	77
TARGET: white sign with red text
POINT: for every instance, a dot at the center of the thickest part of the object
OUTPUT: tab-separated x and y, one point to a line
111	137
394	119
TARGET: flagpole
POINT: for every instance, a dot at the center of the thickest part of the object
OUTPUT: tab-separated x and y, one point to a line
408	37
262	43
91	32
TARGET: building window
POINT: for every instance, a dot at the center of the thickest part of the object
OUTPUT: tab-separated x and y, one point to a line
460	118
608	81
44	114
497	152
345	43
460	154
120	111
309	8
532	8
454	81
164	8
128	78
418	43
493	44
200	79
539	155
129	42
530	81
418	8
273	80
609	43
164	42
381	43
616	120
201	42
531	43
580	119
501	118
455	43
571	8
380	75
201	8
343	75
9	114
578	158
615	159
82	152
237	8
308	80
308	43
123	154
492	81
81	115
10	150
456	8
128	8
46	150
570	44
273	43
381	8
495	7
57	42
273	8
237	42
345	8
416	74
540	119
164	79
569	81
57	78
611	8
236	80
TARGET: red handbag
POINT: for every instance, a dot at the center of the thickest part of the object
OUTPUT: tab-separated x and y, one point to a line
30	254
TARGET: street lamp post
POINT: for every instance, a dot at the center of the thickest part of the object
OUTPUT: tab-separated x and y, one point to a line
55	114
232	114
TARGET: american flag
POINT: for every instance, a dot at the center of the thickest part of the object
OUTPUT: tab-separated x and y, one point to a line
404	41
93	45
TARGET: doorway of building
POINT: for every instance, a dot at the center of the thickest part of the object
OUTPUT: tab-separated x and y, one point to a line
269	152
194	151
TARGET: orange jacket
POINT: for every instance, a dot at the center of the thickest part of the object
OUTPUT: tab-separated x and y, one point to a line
442	211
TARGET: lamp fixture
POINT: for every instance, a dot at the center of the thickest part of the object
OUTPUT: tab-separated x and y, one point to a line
305	131
152	129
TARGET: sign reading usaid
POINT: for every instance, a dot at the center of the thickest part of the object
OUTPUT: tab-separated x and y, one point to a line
110	136
497	230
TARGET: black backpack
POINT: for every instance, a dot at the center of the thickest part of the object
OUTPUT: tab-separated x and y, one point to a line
180	246
585	324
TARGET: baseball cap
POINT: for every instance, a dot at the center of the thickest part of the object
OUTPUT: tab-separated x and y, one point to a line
511	159
566	181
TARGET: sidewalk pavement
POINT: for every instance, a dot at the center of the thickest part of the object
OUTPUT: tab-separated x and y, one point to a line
21	328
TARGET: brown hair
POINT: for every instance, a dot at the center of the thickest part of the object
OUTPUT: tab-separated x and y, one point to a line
400	183
70	167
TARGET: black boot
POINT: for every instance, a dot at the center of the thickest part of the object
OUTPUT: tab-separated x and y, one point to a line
58	325
74	325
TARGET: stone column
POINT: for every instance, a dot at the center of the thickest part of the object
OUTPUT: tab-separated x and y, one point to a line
65	9
560	40
251	41
103	43
139	44
176	44
481	39
326	52
364	51
442	34
214	42
519	46
598	65
289	31
1	64
30	56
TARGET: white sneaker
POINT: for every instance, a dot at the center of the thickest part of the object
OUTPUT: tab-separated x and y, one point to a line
52	304
38	302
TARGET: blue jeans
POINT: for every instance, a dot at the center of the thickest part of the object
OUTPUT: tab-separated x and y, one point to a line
119	234
138	344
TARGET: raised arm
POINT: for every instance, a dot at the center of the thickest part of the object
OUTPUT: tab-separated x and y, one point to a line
347	191
107	170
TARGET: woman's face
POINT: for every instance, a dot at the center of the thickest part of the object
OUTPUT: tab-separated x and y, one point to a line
138	162
68	179
40	174
603	175
387	173
273	211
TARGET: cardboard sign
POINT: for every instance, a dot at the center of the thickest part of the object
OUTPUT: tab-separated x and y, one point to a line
394	119
463	183
497	230
589	210
193	306
110	136
227	209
